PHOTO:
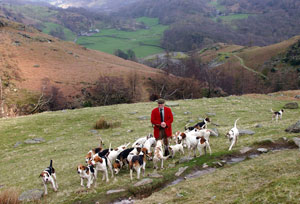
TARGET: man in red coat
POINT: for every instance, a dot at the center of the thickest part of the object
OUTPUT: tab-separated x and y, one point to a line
161	119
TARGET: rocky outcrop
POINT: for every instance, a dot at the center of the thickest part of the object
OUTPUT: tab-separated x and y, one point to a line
293	105
294	128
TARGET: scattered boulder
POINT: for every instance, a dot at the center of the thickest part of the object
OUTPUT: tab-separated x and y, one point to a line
171	165
187	113
297	96
245	150
185	159
294	128
143	182
94	131
172	104
34	141
246	132
258	125
181	170
210	114
116	134
115	191
204	166
297	141
292	105
262	150
133	113
31	195
17	144
191	121
129	131
2	24
144	117
155	175
179	195
217	164
214	132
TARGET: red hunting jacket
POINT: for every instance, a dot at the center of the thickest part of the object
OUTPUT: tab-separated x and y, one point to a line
156	121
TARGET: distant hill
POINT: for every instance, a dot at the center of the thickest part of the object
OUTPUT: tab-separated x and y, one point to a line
239	70
198	23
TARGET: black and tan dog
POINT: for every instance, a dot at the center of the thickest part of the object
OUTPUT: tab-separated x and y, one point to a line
48	175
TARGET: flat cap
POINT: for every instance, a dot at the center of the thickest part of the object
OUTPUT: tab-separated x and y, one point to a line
160	101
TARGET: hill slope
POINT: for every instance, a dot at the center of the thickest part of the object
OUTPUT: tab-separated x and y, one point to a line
31	60
68	135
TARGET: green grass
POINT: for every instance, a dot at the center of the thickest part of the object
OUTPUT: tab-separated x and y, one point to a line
35	12
271	178
69	35
143	42
216	4
69	137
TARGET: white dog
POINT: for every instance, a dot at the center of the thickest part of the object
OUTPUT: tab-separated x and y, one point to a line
138	163
190	139
149	144
113	154
86	172
141	141
277	114
158	154
176	148
203	144
101	164
232	135
48	175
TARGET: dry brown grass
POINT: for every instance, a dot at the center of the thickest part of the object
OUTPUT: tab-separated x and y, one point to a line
64	65
103	124
9	196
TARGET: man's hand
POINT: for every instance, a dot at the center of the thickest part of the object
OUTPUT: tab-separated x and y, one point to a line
163	124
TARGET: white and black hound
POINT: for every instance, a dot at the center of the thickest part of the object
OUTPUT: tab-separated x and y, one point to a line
200	125
232	135
277	114
48	175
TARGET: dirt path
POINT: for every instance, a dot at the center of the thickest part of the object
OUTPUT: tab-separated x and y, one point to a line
248	68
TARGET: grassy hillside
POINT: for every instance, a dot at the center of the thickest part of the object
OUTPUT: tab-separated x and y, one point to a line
143	42
67	33
69	135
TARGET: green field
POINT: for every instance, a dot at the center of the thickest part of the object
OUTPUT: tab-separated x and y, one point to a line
69	35
69	135
216	4
143	42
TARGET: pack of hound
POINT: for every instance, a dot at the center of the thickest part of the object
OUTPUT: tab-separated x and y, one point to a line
143	150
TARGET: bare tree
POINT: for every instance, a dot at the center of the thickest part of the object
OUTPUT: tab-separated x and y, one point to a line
133	86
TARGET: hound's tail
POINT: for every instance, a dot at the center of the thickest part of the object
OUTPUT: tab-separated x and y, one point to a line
165	157
235	122
101	143
51	163
109	149
186	126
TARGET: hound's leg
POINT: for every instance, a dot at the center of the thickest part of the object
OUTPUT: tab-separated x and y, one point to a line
54	177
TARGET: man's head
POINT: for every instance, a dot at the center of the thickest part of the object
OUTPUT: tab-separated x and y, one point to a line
161	103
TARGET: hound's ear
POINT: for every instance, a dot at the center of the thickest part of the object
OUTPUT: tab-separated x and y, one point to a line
183	135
